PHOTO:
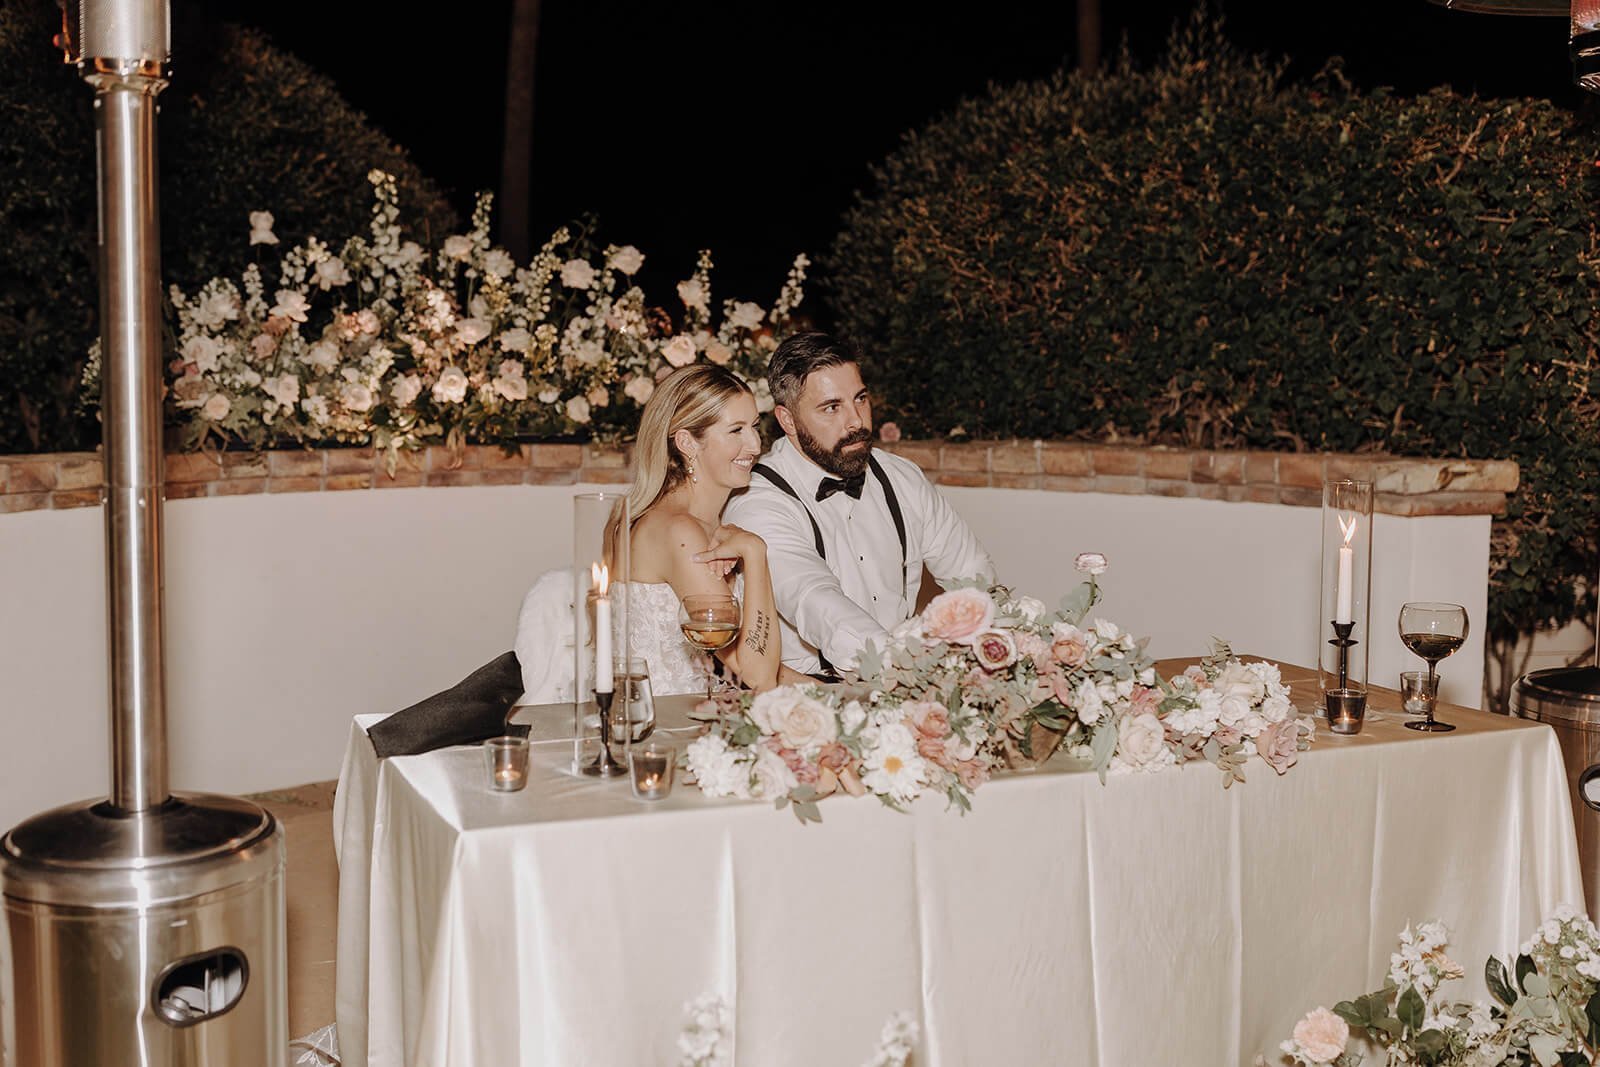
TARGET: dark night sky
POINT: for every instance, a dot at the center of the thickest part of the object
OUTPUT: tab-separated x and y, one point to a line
746	127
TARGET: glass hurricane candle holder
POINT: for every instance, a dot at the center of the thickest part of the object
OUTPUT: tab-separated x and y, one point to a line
1344	603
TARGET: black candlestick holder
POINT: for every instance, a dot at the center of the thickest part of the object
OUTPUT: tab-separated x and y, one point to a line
1347	704
605	765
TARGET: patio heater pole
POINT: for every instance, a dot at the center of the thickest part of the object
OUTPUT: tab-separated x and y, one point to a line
125	47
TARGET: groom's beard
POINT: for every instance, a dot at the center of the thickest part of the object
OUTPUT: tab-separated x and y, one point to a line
834	460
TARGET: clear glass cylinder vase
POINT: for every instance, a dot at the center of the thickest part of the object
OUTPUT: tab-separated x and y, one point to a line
1344	604
600	603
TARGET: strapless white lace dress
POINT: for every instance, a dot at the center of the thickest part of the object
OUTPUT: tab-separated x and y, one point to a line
657	639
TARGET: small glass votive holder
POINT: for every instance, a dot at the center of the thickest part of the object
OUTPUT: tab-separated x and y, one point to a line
1347	710
651	767
1418	693
507	759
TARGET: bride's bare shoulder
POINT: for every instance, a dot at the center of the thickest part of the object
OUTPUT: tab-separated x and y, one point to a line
665	534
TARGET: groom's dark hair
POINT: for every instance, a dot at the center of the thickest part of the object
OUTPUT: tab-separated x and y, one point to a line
798	356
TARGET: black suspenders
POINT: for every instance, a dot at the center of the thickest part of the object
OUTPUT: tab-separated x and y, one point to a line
816	531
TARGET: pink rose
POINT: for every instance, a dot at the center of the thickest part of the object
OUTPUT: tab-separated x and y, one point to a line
804	770
1144	701
1070	646
958	616
995	649
833	756
888	433
933	750
1322	1036
930	719
1279	744
972	772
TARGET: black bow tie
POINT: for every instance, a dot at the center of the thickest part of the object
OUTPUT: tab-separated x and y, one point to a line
851	486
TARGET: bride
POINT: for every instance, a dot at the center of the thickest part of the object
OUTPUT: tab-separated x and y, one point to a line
696	444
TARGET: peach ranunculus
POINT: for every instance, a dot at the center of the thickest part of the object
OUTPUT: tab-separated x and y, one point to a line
1069	645
995	649
1279	744
1322	1035
958	616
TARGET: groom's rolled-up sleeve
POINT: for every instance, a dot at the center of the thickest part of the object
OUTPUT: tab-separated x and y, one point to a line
807	592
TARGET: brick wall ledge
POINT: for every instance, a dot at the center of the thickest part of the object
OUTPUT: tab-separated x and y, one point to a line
1405	486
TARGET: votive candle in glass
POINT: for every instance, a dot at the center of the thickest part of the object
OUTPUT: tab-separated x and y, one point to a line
507	758
651	766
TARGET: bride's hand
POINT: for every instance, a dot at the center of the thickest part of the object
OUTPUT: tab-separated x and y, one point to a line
731	545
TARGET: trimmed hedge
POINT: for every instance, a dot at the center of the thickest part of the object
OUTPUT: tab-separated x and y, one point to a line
243	128
1204	254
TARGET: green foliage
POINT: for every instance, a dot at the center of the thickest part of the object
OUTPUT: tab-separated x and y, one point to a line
1203	254
242	128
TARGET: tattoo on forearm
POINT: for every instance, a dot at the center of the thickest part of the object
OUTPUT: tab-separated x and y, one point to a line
756	636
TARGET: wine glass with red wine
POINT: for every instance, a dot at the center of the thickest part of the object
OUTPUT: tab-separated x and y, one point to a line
1433	631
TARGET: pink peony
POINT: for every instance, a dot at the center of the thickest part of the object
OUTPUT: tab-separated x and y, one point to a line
995	649
1322	1035
1279	744
958	616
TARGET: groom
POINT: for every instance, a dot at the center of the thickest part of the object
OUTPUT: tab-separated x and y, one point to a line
848	529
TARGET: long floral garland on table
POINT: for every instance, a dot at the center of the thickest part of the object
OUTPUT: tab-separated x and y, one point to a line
1546	1010
984	679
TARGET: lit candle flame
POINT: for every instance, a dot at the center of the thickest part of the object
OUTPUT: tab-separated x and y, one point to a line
1348	531
602	579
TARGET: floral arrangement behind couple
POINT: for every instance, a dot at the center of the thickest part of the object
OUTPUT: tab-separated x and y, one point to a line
848	550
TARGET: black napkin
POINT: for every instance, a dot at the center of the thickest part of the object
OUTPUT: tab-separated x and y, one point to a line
471	710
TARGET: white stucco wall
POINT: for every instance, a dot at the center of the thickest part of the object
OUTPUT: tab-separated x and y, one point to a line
288	613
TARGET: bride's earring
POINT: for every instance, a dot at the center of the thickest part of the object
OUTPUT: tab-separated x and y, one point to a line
692	476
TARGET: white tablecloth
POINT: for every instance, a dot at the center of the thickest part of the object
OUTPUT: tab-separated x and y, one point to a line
1155	919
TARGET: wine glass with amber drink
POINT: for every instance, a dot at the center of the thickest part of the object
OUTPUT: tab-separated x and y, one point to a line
1433	631
710	621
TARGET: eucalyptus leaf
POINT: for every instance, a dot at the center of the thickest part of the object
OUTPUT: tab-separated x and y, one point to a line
1536	985
1076	604
746	735
1103	745
869	661
1546	1049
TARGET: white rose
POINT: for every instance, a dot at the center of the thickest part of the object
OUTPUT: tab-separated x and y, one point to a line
1030	609
511	388
323	354
693	295
599	397
679	351
626	259
331	272
451	388
805	724
718	353
1140	739
355	397
498	263
852	715
640	388
771	777
458	247
284	389
470	331
217	308
515	339
407	389
549	395
1106	629
577	274
745	315
216	407
261	228
578	409
202	351
290	305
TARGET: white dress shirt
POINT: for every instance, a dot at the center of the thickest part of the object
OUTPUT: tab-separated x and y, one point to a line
860	590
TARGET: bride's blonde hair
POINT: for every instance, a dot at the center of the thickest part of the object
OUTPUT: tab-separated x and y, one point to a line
692	399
